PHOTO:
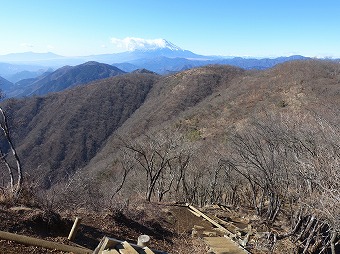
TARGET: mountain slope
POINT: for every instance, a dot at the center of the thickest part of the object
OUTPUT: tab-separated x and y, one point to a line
177	93
210	101
61	132
167	102
19	88
4	84
9	70
27	75
68	76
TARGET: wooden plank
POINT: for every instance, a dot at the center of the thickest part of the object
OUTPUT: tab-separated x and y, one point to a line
218	226
209	219
127	249
110	243
96	250
223	222
148	251
106	243
113	251
224	208
31	241
194	213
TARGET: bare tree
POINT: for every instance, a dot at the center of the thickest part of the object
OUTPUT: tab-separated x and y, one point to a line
286	164
260	156
159	156
15	185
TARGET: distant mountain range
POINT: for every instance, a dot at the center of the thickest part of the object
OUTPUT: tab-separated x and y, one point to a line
32	73
169	50
61	79
168	57
29	57
17	71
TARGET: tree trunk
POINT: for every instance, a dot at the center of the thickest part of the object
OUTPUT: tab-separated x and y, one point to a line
5	128
10	172
148	194
334	235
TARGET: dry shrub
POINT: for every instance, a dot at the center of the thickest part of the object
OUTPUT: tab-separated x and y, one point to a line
26	197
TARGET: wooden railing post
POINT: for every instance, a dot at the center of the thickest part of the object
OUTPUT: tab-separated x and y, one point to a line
143	240
74	229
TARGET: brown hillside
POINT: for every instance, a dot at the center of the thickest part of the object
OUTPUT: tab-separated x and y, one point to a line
209	101
170	97
177	93
61	132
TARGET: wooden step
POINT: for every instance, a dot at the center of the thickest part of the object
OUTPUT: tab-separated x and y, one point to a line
113	251
126	248
148	251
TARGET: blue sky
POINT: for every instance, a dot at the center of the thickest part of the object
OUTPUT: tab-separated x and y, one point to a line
259	28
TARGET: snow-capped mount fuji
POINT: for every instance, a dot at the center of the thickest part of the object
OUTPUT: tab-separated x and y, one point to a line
138	49
166	44
132	44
